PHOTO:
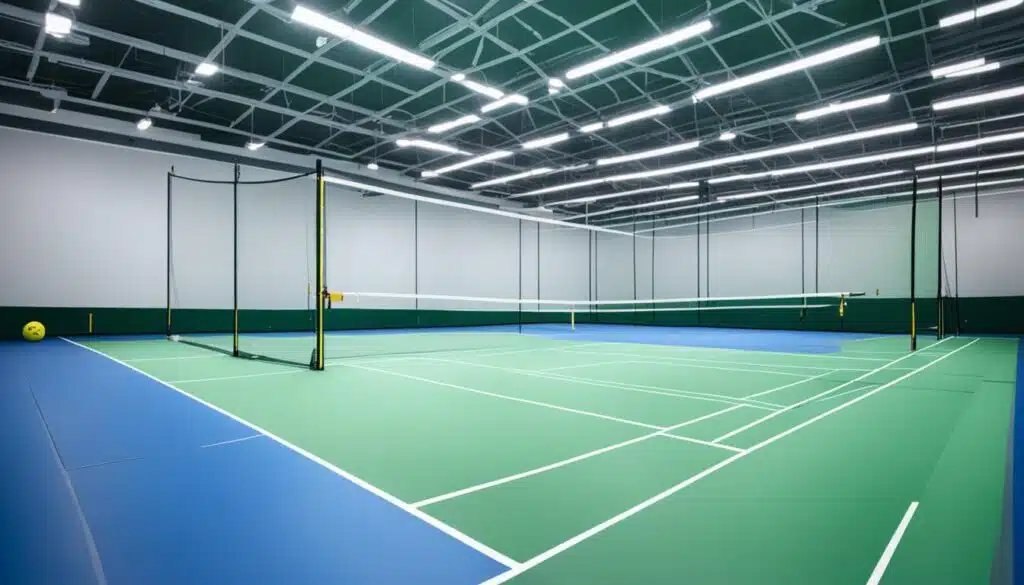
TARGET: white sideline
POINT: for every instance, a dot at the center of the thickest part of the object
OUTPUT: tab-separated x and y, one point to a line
706	443
564	462
790	385
566	545
505	397
699	363
672	392
434	522
890	549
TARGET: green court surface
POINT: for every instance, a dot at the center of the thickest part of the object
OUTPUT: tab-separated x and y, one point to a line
610	463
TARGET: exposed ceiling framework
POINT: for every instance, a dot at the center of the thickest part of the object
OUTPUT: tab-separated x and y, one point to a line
496	96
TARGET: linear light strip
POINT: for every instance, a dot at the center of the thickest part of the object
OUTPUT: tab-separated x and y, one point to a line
976	71
991	96
475	208
501	180
787	68
837	107
648	113
511	99
634	206
648	153
349	33
617	194
967	161
490	156
948	70
428	145
547	141
493	93
635	51
970	15
446	126
806	187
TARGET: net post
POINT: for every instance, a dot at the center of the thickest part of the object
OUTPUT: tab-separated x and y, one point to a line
170	181
913	262
572	318
939	318
317	363
234	261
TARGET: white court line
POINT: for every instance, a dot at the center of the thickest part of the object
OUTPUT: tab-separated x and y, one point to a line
505	397
807	400
587	365
232	441
706	443
594	530
848	392
698	363
174	358
874	338
297	370
642	388
794	354
434	522
790	385
564	462
890	549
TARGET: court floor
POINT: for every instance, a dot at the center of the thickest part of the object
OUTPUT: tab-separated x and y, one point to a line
551	459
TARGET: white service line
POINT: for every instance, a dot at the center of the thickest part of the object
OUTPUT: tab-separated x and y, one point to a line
434	522
174	358
566	545
890	549
847	393
807	400
705	443
645	389
505	397
587	365
296	370
564	462
698	363
790	385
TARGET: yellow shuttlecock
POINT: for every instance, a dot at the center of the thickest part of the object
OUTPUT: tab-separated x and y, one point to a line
33	331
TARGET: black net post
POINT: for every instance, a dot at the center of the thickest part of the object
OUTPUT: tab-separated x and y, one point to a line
170	185
317	363
234	261
939	317
913	265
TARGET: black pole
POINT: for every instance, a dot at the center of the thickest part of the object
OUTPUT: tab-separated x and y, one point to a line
976	173
538	266
707	255
697	305
416	258
654	314
939	316
519	316
170	179
817	242
590	264
634	271
913	264
956	268
803	244
318	361
234	260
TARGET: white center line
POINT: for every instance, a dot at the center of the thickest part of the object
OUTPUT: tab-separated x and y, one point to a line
890	549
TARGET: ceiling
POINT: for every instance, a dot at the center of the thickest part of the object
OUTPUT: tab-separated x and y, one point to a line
277	82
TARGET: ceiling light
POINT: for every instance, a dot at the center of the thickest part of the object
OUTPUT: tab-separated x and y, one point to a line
635	206
468	163
510	178
648	113
72	3
787	68
976	142
977	70
556	82
650	46
348	33
946	70
753	194
648	153
57	25
446	126
427	145
739	177
494	94
979	99
542	142
144	123
255	145
967	161
727	136
592	127
206	69
985	10
508	100
552	91
617	194
373	166
842	107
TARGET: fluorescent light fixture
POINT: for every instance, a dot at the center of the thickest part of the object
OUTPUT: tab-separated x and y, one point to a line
967	161
635	206
979	99
206	69
144	123
354	35
255	145
635	51
976	142
974	173
494	94
57	25
548	141
617	194
556	83
787	68
977	70
842	107
594	127
648	153
428	145
853	162
373	166
739	177
970	15
753	194
468	163
552	91
727	136
508	100
648	113
948	70
72	3
574	167
446	126
737	158
510	178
